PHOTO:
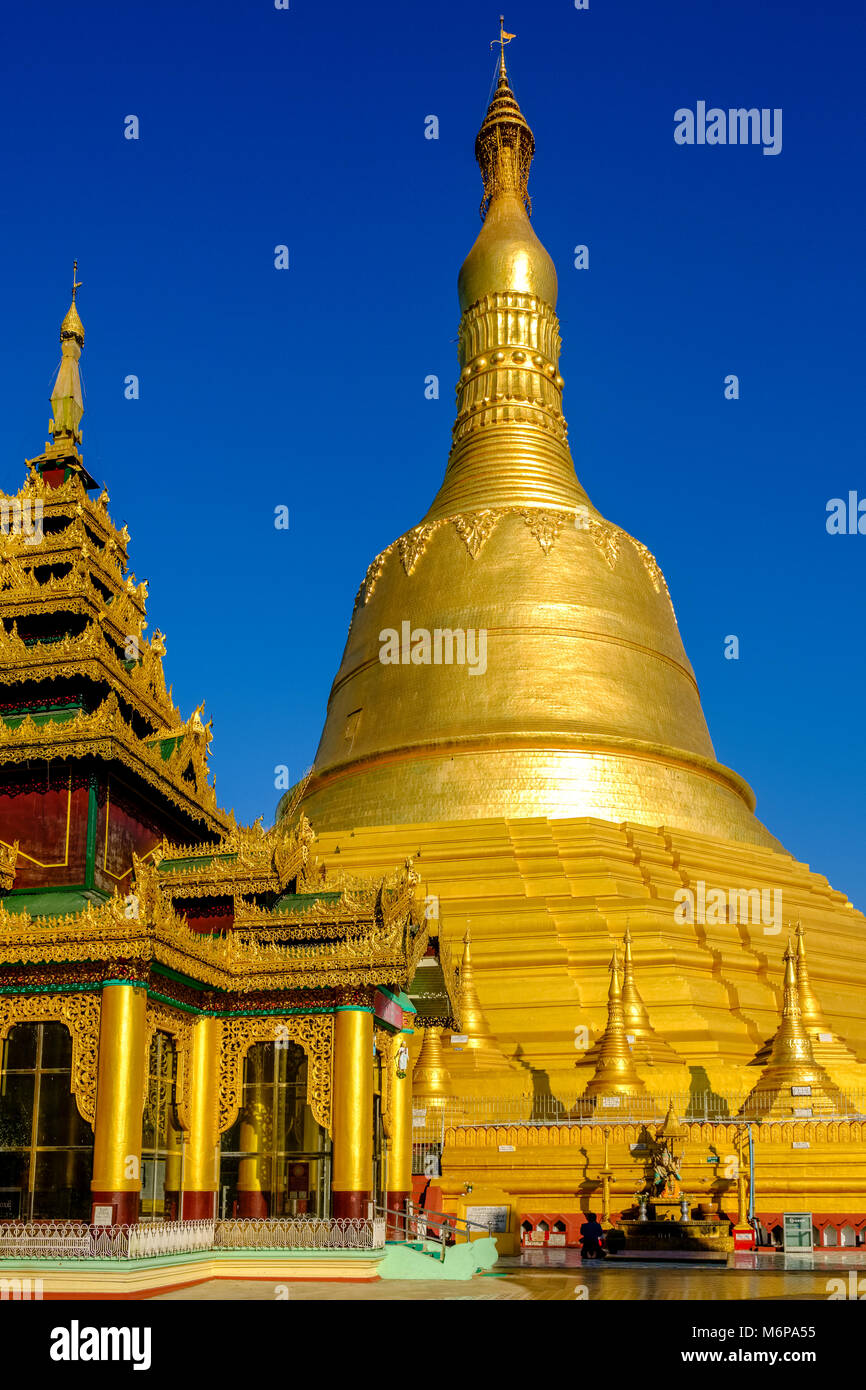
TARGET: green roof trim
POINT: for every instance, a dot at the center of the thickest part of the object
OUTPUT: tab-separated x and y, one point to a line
205	861
52	902
299	901
39	717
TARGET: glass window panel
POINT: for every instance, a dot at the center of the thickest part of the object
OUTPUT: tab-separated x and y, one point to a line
59	1121
14	1168
56	1047
16	1109
230	1141
62	1184
21	1047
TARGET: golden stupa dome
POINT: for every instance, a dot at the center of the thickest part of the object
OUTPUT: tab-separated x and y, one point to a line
515	654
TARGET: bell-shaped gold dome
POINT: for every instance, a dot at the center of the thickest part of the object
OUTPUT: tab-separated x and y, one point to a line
515	654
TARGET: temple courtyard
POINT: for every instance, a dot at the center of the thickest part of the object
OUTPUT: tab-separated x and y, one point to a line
562	1275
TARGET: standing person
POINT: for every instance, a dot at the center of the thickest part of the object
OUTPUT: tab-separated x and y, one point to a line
591	1235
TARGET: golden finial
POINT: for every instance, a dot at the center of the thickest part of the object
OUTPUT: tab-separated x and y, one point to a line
502	41
67	398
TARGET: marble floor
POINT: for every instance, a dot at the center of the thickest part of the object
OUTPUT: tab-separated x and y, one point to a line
561	1275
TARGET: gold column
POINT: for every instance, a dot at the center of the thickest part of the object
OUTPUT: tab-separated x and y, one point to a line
116	1179
352	1173
399	1171
201	1169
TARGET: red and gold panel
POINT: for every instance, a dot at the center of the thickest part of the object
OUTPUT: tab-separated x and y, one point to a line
47	814
125	825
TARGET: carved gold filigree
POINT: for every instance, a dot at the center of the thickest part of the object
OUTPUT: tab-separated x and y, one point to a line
145	928
313	1032
372	577
545	525
246	862
386	1046
605	537
23	588
451	978
8	860
413	544
475	528
80	1013
72	498
653	569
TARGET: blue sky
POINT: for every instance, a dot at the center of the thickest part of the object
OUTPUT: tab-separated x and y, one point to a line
305	388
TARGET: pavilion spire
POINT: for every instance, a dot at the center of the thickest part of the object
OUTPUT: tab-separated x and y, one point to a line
67	398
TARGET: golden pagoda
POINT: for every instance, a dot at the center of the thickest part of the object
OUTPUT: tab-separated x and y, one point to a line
514	707
615	1074
475	1048
792	1083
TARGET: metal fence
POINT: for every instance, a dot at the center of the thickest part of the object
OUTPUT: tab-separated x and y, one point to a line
75	1240
693	1107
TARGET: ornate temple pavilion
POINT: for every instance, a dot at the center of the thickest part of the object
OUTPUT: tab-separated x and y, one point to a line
197	1018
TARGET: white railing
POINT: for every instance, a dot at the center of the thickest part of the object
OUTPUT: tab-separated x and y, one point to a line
301	1233
75	1240
169	1238
44	1240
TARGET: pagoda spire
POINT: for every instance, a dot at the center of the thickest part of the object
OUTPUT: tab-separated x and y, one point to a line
61	458
510	439
646	1045
827	1046
813	1014
615	1073
634	1009
67	399
791	1064
481	1048
431	1082
502	41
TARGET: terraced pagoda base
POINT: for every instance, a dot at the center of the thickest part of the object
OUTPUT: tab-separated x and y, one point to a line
147	1278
